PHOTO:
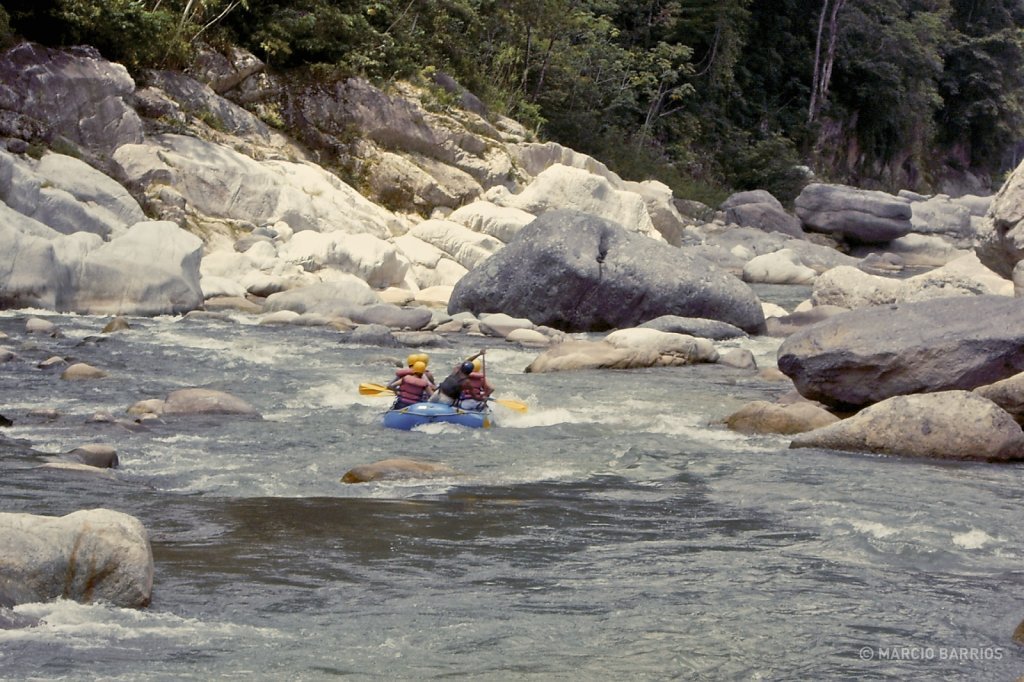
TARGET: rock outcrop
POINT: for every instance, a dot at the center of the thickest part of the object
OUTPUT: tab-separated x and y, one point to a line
576	272
865	356
855	215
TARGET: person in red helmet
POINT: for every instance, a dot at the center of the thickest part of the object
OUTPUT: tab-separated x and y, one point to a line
413	387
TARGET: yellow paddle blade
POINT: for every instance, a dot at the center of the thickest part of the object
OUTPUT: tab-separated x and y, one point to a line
375	390
516	405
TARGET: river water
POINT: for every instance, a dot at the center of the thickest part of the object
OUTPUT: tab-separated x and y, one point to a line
614	531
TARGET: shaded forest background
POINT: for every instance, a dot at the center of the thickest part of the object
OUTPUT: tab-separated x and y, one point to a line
707	96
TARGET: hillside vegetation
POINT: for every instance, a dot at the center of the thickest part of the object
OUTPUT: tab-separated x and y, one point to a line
706	95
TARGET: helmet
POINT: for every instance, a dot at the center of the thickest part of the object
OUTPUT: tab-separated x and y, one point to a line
411	360
466	367
477	365
424	358
419	367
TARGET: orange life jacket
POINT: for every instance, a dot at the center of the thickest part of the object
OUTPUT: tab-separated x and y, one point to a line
413	388
475	387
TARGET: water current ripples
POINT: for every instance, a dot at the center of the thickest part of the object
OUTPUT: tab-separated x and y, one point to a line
615	531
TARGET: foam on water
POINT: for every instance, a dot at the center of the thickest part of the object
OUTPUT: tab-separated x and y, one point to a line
973	539
94	626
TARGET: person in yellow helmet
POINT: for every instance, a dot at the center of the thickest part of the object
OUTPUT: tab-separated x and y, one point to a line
412	387
412	360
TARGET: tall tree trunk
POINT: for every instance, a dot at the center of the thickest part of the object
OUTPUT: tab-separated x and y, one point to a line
823	68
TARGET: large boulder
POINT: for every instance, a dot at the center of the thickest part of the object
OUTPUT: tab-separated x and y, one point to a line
577	272
338	298
31	276
1001	234
759	209
943	425
72	93
89	555
153	269
218	182
65	194
867	355
855	215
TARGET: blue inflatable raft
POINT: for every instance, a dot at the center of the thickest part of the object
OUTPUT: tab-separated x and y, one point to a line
429	413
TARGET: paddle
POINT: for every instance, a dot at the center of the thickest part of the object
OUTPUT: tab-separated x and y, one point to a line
378	390
375	390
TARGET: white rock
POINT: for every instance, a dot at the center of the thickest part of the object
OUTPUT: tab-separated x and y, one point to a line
463	245
370	258
562	187
153	269
781	267
88	555
500	222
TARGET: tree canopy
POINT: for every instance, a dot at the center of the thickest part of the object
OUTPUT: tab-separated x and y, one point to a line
733	94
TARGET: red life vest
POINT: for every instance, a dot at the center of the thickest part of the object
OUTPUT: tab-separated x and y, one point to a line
475	387
413	388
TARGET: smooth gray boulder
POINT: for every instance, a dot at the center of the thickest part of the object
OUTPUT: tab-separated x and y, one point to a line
30	274
870	354
762	416
153	269
73	93
193	401
855	215
694	326
576	272
1001	235
767	216
945	425
89	555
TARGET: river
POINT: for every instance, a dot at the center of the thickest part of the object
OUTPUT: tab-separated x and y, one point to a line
615	531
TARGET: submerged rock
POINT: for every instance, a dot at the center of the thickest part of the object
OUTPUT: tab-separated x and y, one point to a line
397	468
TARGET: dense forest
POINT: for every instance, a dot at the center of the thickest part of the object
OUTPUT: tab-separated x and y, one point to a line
705	95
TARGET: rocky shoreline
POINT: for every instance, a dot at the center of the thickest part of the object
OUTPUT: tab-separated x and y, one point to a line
170	197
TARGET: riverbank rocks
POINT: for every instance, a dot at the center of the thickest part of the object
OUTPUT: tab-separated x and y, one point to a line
73	93
854	215
865	356
576	272
87	556
781	267
627	351
396	469
1000	239
1007	394
695	326
944	425
760	210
